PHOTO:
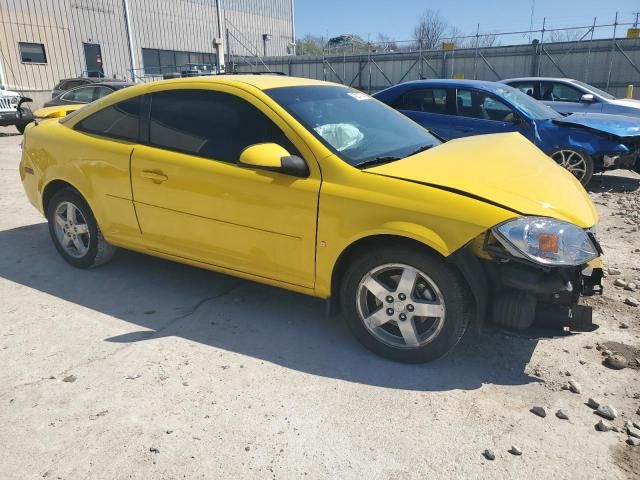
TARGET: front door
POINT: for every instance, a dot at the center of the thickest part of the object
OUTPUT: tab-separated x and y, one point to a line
567	99
93	60
194	201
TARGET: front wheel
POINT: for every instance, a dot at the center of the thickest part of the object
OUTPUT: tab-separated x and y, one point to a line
405	304
75	232
580	164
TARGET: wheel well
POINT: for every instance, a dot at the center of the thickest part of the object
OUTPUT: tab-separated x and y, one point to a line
359	247
51	189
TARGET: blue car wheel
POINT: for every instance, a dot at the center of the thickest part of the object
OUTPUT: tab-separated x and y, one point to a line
580	164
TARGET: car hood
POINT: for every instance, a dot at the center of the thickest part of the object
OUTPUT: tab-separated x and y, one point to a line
626	102
8	93
618	125
502	169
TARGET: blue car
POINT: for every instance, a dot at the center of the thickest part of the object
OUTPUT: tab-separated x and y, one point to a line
582	143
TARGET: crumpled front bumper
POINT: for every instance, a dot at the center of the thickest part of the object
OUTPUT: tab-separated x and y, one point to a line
15	117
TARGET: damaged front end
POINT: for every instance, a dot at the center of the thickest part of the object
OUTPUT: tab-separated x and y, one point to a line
535	269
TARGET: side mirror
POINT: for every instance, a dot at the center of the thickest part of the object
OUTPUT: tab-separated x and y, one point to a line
588	98
272	157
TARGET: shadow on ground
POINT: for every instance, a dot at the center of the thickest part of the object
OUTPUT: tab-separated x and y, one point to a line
614	183
169	299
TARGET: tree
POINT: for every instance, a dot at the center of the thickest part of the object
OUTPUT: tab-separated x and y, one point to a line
430	29
565	35
309	45
386	43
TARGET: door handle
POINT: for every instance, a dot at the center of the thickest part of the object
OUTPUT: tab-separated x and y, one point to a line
157	177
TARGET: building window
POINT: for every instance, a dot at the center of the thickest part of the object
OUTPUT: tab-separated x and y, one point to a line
157	62
32	52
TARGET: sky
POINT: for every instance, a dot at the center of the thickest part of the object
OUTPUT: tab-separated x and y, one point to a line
397	18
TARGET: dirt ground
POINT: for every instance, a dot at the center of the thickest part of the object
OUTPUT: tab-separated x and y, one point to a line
149	369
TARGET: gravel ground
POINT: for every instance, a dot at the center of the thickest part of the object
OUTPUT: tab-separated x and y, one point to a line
149	369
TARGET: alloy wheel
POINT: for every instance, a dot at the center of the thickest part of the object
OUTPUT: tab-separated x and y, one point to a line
572	161
71	229
400	305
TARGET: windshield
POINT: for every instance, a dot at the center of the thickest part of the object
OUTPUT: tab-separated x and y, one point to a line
353	125
531	107
595	90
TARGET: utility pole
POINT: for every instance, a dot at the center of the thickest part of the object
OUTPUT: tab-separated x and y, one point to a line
127	22
635	23
219	41
533	10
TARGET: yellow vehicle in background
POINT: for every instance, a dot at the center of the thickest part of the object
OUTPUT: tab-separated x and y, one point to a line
318	188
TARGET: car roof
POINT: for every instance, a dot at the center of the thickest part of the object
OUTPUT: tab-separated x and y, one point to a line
263	82
114	84
453	83
537	79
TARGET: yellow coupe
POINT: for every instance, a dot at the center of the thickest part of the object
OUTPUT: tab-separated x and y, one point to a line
321	189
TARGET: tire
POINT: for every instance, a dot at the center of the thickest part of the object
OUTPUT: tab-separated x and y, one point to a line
22	127
579	163
78	240
438	291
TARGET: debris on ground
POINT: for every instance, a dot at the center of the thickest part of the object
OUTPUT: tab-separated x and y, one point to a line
607	411
70	379
603	426
616	362
593	403
540	411
489	455
562	415
515	451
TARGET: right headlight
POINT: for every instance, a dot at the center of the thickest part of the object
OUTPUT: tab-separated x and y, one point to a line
546	241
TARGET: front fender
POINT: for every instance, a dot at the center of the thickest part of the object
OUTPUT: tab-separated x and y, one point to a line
557	137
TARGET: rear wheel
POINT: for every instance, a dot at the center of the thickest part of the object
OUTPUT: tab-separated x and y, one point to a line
21	127
405	304
580	164
75	232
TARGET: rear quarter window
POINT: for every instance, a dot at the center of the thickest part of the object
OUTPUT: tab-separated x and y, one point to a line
119	121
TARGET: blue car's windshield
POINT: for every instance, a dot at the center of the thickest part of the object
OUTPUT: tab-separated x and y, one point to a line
531	107
358	128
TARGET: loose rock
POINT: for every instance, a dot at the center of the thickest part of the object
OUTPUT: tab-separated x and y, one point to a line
632	301
562	415
616	362
634	442
607	411
593	403
631	287
574	386
154	450
70	378
540	411
613	271
633	432
620	283
604	426
489	455
515	451
623	326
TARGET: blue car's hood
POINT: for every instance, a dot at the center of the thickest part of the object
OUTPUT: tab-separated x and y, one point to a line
617	125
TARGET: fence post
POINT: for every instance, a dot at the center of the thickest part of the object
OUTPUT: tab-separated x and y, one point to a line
420	58
475	58
586	71
540	47
613	51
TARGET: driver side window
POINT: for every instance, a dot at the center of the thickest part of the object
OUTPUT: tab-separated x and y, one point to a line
210	124
484	106
560	92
